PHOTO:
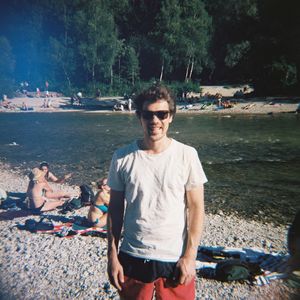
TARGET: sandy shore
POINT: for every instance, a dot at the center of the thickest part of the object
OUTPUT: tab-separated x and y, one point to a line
205	105
43	266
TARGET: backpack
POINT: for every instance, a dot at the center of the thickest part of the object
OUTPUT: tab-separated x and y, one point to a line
231	270
87	194
71	205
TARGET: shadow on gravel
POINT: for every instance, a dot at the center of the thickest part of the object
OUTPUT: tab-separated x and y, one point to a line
14	207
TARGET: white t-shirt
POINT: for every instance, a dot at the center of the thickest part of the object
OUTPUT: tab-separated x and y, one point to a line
154	186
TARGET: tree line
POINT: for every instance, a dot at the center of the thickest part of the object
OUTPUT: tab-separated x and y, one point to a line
118	45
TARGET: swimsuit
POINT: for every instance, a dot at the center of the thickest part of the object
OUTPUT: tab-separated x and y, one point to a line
102	207
38	210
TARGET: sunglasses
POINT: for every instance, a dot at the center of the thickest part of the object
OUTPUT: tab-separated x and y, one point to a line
148	115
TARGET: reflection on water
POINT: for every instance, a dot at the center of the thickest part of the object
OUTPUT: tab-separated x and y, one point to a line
252	162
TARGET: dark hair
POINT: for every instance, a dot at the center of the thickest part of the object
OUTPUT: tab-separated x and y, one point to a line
100	182
44	164
154	93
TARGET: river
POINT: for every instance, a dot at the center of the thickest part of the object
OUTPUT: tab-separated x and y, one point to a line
252	162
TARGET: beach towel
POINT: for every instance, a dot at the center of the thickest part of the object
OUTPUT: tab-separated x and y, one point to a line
66	229
263	267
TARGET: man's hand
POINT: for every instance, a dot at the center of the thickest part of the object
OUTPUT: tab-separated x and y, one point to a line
115	273
187	270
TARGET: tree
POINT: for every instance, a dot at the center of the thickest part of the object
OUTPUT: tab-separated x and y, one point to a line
28	40
236	52
62	57
278	45
131	65
166	34
235	27
195	36
7	66
61	42
97	40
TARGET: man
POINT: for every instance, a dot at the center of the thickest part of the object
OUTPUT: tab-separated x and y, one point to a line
49	176
162	182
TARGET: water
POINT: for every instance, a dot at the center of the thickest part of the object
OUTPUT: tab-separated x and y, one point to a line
252	162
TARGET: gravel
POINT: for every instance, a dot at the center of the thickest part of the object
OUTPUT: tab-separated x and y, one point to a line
43	266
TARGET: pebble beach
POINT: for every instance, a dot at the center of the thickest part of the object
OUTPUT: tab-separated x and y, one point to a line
44	266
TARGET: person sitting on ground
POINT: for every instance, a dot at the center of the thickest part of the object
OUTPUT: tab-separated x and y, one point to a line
99	207
49	176
40	195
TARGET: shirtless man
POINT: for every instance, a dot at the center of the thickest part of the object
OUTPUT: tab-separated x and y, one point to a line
40	195
49	176
98	210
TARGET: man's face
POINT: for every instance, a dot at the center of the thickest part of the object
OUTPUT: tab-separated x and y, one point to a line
155	119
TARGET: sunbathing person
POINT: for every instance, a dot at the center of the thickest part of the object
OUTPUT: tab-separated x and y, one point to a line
99	207
49	176
40	195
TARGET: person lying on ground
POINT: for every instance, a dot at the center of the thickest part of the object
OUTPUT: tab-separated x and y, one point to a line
40	195
99	207
49	176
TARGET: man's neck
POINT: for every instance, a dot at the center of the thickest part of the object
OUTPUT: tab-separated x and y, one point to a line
155	147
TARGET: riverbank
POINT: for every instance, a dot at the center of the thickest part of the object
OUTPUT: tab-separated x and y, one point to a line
205	105
41	266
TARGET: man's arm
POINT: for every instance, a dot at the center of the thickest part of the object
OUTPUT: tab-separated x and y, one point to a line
186	264
115	223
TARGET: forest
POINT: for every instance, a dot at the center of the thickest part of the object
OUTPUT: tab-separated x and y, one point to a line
118	46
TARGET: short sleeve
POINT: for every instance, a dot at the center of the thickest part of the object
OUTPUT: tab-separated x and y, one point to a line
115	181
196	175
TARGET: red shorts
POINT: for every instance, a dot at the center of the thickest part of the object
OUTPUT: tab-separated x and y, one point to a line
133	289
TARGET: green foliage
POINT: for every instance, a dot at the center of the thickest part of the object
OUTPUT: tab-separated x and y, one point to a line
7	62
195	37
236	53
61	57
130	65
120	45
97	39
284	73
166	35
278	78
180	88
182	36
7	66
